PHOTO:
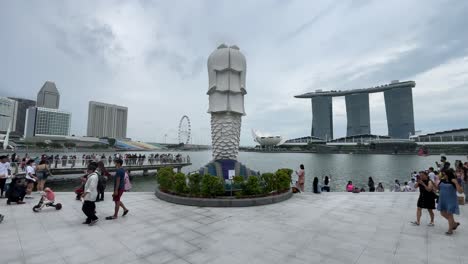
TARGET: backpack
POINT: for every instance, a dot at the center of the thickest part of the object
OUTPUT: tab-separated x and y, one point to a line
128	184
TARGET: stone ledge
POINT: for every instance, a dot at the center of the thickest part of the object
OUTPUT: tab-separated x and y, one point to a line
222	202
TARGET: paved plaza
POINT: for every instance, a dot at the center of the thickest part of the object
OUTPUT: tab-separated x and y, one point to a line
308	228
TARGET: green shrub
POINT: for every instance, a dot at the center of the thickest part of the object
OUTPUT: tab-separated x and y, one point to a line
179	185
269	181
165	178
286	170
252	186
238	180
283	179
212	186
194	181
238	183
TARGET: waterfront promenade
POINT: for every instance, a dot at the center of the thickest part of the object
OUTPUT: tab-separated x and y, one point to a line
327	228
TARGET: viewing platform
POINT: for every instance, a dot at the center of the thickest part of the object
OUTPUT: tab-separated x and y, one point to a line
144	167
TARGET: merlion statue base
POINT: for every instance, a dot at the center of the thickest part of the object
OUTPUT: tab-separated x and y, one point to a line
222	167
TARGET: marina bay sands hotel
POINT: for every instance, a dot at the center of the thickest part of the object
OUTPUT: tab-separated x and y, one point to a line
398	105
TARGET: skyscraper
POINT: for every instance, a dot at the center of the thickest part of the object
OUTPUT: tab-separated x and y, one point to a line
107	120
48	96
7	114
398	105
22	106
42	121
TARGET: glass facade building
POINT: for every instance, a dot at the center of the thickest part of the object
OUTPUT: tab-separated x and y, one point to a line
22	106
7	114
47	122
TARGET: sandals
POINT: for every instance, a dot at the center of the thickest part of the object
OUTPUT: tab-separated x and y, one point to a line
430	224
415	223
111	217
449	233
456	225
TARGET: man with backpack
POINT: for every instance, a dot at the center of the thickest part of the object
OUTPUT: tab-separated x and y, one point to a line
119	189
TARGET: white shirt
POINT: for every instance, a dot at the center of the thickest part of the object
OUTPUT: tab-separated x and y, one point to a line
8	169
432	176
3	170
91	187
411	185
30	170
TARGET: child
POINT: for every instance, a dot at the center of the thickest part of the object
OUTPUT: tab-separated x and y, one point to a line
79	191
49	195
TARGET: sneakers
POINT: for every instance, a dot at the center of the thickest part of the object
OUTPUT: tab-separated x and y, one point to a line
93	222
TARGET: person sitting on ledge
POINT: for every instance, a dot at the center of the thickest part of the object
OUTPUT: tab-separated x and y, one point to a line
380	187
350	186
316	187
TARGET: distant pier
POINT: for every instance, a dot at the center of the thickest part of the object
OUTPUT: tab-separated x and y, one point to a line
145	168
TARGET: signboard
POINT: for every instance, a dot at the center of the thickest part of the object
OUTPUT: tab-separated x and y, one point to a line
231	174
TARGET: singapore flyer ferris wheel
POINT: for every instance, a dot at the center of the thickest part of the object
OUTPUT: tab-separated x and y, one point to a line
184	130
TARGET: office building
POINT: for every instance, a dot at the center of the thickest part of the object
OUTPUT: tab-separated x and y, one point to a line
7	114
42	121
48	96
398	105
21	106
107	120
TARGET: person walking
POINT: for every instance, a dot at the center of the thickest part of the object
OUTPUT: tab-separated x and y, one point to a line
119	189
89	195
426	198
465	180
42	171
448	201
31	177
5	175
301	178
102	183
371	185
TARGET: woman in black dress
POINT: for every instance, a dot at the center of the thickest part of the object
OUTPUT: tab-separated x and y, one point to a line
371	185
426	197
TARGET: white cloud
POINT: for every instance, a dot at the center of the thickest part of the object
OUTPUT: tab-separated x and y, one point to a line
151	57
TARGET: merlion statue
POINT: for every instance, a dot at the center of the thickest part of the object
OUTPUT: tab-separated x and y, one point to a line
226	90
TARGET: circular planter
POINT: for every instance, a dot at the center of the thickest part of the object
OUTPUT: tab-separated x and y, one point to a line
223	202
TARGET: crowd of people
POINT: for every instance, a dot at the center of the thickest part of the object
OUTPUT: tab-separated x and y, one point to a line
71	161
18	187
438	188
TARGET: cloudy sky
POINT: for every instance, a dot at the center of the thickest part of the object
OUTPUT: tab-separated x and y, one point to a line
151	57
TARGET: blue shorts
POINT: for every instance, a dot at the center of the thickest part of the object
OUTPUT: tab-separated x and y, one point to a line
42	175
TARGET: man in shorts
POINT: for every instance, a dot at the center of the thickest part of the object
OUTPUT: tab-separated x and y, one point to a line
119	188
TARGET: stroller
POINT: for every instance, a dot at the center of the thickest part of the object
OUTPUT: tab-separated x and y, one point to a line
47	200
17	189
